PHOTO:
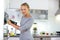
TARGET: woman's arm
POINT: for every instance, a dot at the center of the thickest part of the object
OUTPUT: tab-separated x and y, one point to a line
27	25
15	26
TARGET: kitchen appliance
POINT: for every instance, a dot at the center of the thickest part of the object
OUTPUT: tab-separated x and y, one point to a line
13	22
58	11
58	33
6	16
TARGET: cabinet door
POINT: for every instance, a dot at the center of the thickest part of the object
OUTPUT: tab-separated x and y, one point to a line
40	4
6	4
13	38
56	38
48	38
14	3
36	38
5	38
37	4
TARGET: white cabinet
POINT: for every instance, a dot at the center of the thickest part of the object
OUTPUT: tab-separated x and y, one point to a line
14	3
6	4
36	38
37	4
48	38
34	4
55	38
5	38
42	39
13	38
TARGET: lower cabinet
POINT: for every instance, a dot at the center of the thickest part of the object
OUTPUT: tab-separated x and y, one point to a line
5	38
42	38
13	38
56	38
48	38
36	38
17	38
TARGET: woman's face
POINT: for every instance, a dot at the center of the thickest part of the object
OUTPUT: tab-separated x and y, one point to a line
24	10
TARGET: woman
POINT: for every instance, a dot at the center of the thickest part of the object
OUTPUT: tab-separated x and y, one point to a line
26	23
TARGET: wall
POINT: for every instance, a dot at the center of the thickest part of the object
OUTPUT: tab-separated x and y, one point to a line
1	18
50	25
53	7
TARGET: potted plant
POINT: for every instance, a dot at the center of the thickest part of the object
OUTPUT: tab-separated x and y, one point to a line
42	33
35	30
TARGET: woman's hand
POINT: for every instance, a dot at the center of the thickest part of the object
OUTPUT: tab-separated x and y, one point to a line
15	26
9	22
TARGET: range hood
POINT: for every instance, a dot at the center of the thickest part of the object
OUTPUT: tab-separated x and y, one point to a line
58	11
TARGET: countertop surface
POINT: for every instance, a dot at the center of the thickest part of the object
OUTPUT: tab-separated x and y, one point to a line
44	36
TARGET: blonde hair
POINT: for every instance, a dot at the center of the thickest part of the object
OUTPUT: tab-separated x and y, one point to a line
25	4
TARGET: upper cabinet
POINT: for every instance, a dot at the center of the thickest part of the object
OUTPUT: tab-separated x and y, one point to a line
14	3
34	4
37	4
39	8
6	4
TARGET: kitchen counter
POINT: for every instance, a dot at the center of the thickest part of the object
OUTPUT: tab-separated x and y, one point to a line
37	36
40	37
44	36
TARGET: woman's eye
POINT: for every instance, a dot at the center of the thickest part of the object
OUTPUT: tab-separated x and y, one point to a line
22	9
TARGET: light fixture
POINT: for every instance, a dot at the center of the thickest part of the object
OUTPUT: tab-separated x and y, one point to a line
58	17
